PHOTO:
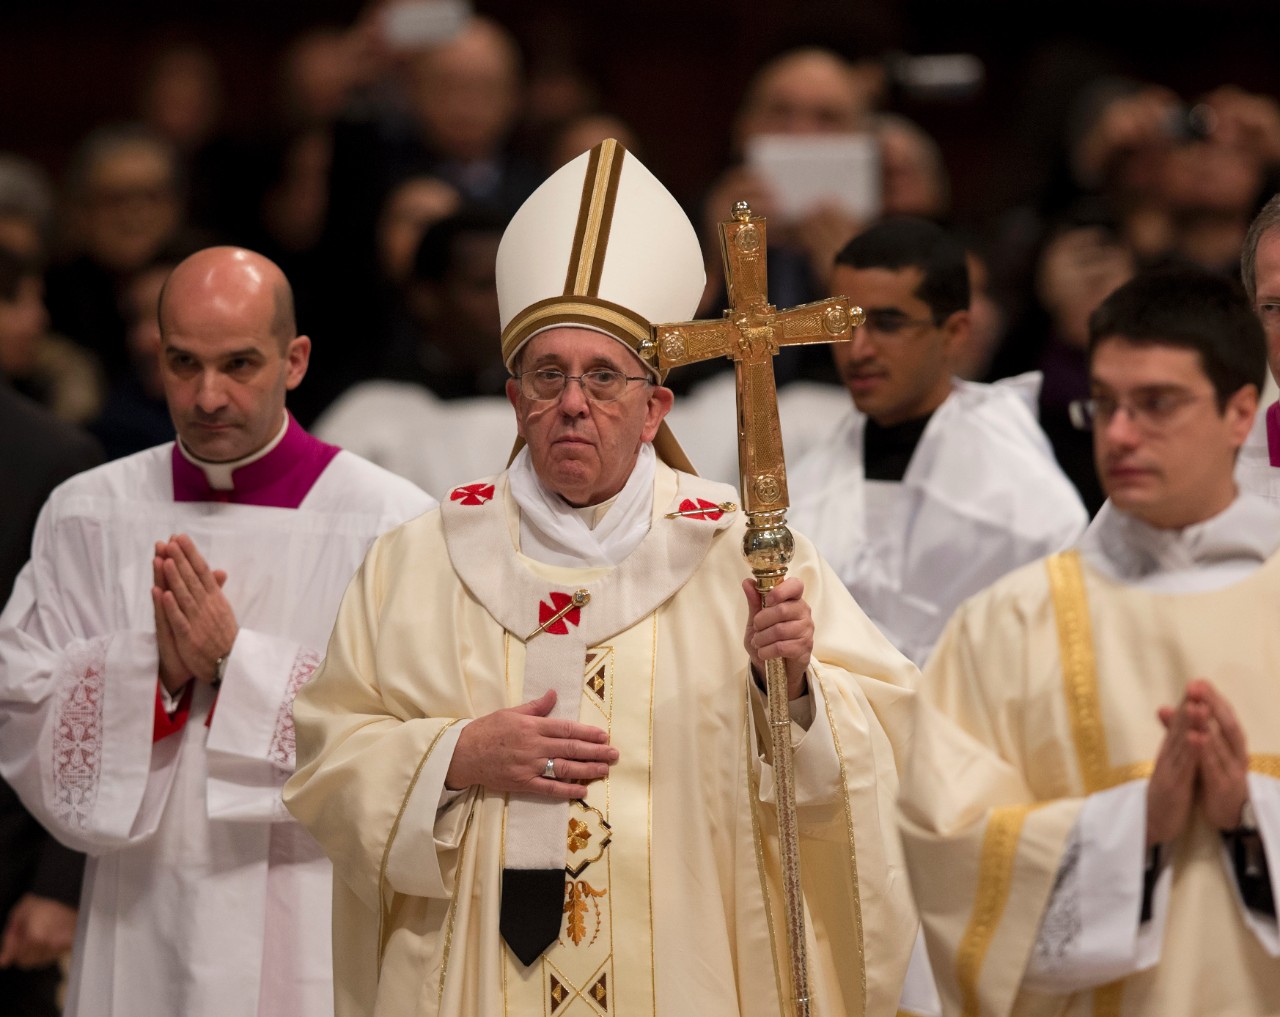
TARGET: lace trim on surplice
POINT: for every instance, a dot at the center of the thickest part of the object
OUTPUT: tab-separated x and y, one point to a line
78	733
284	743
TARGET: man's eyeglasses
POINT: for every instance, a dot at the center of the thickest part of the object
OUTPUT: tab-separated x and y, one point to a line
1149	409
600	385
891	322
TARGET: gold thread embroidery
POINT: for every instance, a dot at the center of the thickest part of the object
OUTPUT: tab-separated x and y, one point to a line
599	678
581	832
606	217
579	894
583	222
559	310
1079	668
1084	706
391	839
597	210
579	835
995	877
600	992
1080	678
853	847
558	993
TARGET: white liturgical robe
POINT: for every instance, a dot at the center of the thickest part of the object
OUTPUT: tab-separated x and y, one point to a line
981	495
672	903
1024	802
202	898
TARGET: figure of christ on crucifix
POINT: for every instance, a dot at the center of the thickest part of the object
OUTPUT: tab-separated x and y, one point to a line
750	333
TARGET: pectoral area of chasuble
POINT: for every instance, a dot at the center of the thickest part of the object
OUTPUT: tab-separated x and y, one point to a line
577	972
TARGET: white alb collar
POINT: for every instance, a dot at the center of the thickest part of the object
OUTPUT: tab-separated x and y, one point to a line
1206	555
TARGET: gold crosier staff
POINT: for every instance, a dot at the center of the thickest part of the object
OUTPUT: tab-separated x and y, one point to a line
750	333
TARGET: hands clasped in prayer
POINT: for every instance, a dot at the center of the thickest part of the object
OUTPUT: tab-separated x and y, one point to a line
507	750
1203	756
195	624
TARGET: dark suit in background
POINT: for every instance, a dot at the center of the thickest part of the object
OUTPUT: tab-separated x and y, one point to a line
37	452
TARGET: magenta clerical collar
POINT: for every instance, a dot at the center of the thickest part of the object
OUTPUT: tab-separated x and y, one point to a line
280	479
1273	432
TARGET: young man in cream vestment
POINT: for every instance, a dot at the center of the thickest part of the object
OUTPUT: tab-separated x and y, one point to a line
1091	810
174	602
542	805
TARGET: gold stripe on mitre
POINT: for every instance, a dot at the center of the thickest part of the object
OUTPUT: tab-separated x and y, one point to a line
595	218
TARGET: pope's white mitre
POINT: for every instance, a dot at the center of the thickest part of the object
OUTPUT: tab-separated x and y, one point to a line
601	245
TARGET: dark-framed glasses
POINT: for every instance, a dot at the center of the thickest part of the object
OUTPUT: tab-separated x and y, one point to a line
600	385
887	321
1148	409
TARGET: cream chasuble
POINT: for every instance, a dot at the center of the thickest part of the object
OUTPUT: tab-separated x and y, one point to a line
672	905
1042	691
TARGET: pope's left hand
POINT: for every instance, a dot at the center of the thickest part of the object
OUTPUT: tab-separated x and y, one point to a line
782	629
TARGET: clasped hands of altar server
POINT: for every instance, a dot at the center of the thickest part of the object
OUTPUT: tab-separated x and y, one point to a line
1203	759
195	624
508	750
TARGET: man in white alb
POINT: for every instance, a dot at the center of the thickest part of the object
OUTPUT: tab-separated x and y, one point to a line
174	602
931	487
537	749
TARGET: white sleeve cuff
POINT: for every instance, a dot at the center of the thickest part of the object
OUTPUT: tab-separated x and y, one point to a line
1091	933
816	765
428	825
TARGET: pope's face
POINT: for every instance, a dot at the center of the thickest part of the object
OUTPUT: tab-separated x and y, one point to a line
584	450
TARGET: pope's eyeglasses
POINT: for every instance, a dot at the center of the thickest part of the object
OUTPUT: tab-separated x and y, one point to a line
600	385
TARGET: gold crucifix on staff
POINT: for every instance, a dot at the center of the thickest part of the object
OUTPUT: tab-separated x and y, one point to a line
751	333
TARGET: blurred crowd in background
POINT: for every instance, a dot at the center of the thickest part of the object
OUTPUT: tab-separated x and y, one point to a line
387	144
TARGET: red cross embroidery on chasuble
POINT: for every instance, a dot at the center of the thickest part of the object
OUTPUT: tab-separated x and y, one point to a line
472	494
689	509
559	601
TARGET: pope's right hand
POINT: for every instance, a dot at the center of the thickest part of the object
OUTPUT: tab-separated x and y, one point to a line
507	750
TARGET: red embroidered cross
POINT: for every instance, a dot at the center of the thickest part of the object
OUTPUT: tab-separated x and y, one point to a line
472	494
689	508
561	604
